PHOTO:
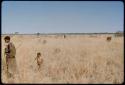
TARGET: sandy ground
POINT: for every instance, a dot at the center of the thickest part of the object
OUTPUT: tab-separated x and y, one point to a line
74	59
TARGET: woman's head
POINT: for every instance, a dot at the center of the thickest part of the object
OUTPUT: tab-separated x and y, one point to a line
7	39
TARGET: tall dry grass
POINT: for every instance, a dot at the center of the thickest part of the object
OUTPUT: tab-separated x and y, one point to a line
74	59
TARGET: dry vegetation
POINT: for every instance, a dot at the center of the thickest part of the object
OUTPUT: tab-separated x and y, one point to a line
74	59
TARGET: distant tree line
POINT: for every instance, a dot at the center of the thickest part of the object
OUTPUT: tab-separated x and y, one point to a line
119	33
16	33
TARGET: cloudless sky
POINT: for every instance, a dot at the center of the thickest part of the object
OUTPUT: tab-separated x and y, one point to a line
62	16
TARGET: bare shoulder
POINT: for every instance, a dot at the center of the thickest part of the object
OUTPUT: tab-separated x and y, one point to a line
11	44
41	58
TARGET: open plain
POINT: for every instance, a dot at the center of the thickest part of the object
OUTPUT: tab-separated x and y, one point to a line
70	59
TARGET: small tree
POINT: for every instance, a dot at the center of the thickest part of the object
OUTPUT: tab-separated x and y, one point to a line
119	34
16	32
38	34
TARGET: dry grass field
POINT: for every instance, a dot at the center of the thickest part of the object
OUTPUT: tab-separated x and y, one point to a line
74	59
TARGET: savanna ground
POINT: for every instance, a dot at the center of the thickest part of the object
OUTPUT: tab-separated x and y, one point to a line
74	59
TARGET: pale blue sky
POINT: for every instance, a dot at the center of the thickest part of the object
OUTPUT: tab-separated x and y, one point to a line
62	16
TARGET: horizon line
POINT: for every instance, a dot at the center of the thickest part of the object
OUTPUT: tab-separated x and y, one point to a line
59	33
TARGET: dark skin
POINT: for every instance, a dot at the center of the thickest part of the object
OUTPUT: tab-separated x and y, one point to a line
7	41
7	55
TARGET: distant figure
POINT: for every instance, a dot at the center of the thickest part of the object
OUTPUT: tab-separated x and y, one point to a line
64	36
10	52
109	38
39	60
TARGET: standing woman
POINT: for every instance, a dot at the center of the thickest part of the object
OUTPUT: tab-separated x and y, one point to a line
10	53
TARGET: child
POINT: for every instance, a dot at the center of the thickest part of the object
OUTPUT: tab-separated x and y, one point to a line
39	60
